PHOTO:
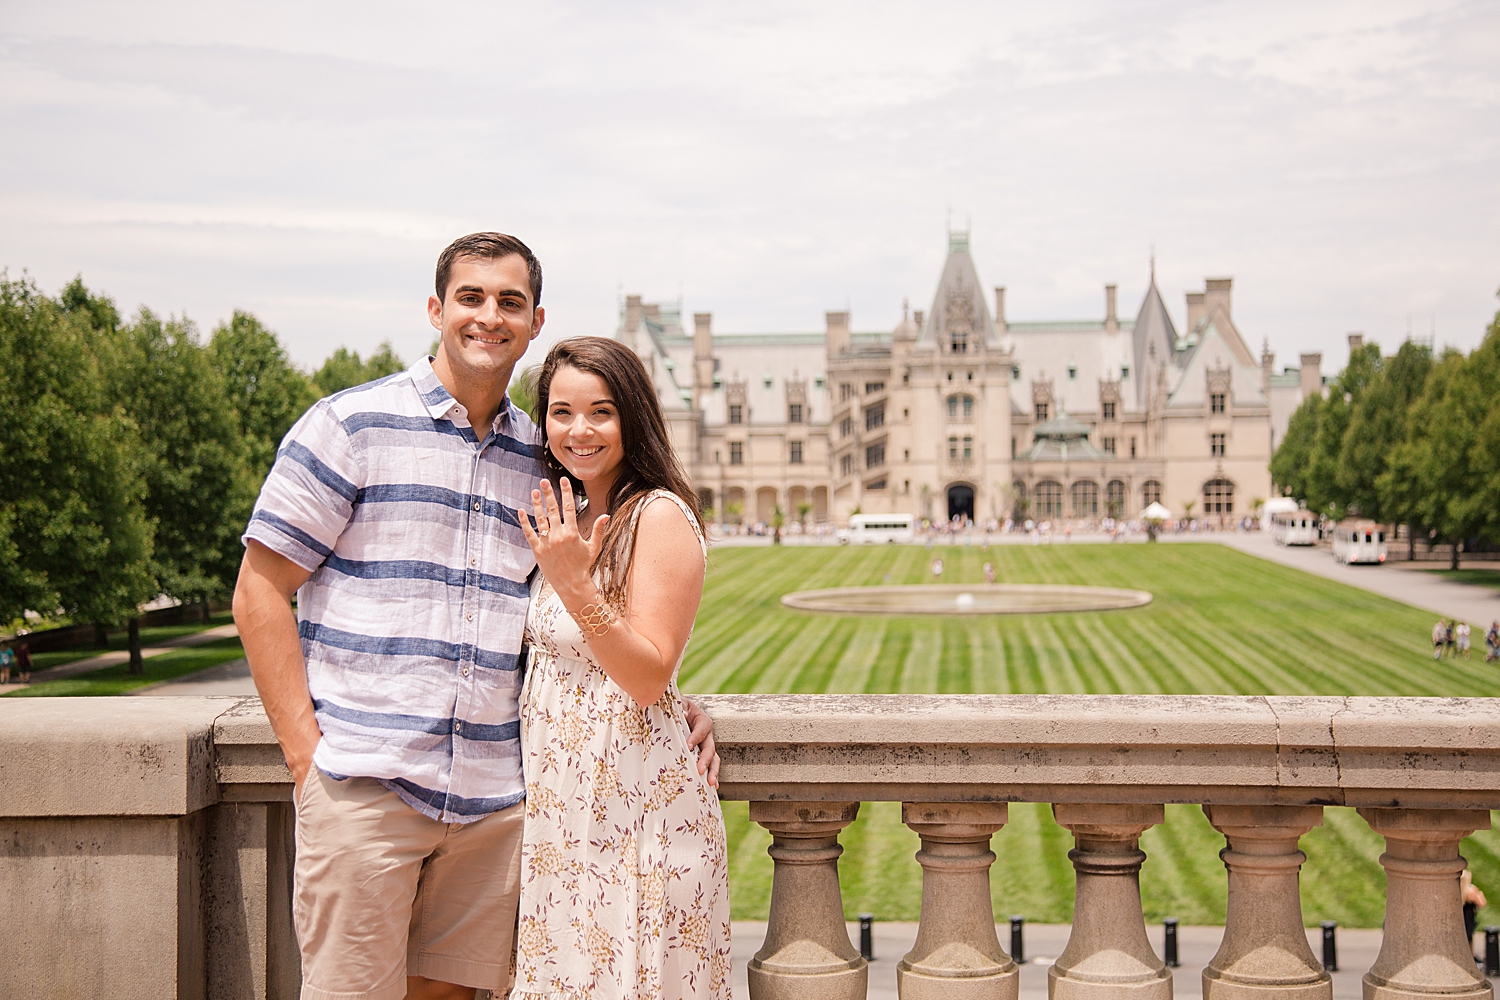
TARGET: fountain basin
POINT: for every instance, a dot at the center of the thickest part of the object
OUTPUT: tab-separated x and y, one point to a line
965	599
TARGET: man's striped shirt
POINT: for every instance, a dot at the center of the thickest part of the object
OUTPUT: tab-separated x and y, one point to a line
411	621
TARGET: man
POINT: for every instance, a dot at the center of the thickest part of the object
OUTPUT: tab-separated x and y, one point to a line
393	690
1439	638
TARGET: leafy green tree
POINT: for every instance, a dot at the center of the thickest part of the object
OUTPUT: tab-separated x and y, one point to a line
343	369
265	390
1293	458
1432	472
1377	426
74	532
199	487
1484	457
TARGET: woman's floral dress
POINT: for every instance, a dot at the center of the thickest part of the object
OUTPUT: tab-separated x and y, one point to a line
624	871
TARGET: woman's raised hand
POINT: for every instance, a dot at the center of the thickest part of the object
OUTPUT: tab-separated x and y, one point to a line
562	552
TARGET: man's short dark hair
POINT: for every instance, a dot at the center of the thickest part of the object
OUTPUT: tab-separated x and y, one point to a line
488	246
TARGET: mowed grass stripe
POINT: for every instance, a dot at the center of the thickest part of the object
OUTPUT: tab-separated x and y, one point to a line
1222	622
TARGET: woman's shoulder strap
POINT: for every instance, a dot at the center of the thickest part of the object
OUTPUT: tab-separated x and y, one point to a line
687	512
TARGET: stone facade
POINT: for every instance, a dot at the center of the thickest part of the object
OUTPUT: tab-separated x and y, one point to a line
959	411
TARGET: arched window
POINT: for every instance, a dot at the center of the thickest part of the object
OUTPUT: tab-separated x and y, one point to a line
1085	499
1114	498
1150	493
961	408
1049	499
1218	497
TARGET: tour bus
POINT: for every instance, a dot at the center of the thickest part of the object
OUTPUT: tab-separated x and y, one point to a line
1297	527
1359	542
869	529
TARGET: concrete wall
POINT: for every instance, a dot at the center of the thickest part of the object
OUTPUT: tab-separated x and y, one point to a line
146	844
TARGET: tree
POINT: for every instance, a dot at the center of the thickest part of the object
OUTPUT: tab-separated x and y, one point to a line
199	488
803	510
343	369
73	528
1377	427
265	390
1290	464
1433	469
778	521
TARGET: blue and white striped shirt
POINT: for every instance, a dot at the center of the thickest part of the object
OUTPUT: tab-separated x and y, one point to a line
412	619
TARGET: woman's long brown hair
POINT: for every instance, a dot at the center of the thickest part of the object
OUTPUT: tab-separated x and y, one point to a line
649	462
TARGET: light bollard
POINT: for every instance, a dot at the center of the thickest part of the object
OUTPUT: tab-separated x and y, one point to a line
1330	946
1018	939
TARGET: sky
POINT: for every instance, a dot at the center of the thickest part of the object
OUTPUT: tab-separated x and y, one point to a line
764	162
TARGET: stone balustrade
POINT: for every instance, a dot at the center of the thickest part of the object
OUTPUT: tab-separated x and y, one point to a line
147	842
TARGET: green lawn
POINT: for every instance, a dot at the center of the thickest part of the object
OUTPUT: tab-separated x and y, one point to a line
117	679
1221	623
1482	577
119	639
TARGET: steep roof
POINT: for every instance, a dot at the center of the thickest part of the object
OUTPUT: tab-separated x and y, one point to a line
959	302
1152	326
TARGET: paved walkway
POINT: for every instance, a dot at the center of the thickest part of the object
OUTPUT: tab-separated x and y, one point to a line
115	656
231	678
1409	583
1044	942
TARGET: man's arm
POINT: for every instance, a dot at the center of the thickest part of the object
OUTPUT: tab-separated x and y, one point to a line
268	628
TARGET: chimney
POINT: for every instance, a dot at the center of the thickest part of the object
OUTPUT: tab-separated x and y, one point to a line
1216	293
999	310
633	312
838	333
703	359
1312	375
1195	310
1267	367
1111	321
918	317
1356	341
703	338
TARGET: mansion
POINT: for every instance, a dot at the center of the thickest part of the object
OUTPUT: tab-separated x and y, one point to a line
959	412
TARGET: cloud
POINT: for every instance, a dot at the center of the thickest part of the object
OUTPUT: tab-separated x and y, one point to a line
766	163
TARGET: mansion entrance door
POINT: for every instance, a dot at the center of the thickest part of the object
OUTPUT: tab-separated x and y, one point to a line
960	501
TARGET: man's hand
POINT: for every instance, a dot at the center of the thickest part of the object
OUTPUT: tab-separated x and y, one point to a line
702	737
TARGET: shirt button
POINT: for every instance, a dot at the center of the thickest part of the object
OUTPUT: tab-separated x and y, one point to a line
457	725
465	671
470	616
473	562
476	504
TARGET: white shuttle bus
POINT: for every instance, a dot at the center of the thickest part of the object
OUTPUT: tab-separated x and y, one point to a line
1358	542
1296	527
869	529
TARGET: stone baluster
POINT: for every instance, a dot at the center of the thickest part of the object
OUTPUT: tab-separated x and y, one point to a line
957	955
1264	951
807	954
1423	952
1108	956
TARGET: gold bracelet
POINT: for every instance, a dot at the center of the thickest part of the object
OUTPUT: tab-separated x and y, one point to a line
596	618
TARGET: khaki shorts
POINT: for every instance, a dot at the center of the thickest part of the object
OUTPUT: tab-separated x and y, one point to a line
382	893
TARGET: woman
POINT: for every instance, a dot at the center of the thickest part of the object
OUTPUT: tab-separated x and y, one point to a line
624	874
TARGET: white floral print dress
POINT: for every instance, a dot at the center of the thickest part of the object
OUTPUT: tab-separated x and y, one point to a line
624	870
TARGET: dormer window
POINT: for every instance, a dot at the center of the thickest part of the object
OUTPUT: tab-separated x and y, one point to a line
1072	371
1216	402
769	381
958	341
1124	371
